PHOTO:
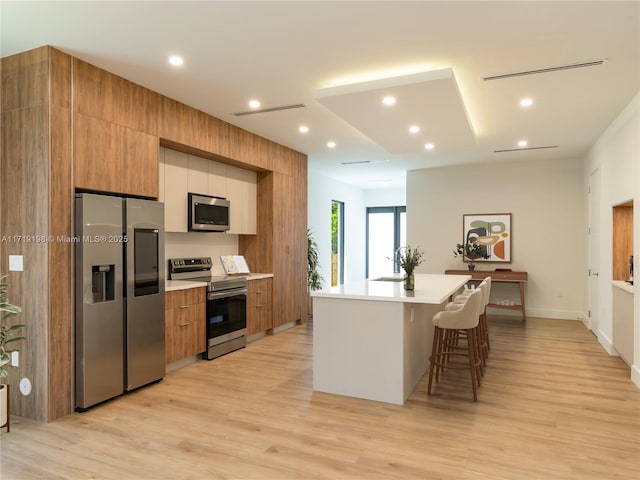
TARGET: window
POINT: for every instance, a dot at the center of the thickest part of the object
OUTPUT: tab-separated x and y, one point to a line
337	243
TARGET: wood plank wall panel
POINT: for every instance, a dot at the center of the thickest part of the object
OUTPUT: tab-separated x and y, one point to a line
186	129
265	153
289	264
114	133
218	136
60	226
25	79
299	234
280	243
184	125
112	158
258	249
23	216
622	241
103	95
95	161
139	153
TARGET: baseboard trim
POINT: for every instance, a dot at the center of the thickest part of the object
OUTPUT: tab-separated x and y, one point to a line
559	314
635	375
286	326
539	313
606	343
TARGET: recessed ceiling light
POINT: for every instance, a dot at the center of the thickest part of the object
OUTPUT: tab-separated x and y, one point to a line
331	144
175	60
522	143
414	128
389	100
526	102
429	146
303	129
254	104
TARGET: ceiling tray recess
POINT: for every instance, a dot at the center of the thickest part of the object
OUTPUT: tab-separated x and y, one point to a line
430	100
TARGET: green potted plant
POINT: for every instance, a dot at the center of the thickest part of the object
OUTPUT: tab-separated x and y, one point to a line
471	251
8	335
314	279
409	258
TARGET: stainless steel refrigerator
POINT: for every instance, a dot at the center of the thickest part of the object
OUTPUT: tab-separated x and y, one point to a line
119	286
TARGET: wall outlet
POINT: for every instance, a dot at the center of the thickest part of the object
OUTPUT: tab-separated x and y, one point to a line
16	263
15	358
25	386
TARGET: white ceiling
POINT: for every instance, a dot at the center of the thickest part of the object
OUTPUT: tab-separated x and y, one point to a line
285	53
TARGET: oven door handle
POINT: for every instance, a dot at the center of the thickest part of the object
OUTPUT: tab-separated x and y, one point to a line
226	293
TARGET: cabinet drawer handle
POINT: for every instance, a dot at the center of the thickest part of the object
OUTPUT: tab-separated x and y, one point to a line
258	293
184	306
258	306
185	324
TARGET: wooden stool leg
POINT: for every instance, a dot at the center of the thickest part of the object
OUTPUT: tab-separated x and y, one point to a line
472	362
486	330
434	353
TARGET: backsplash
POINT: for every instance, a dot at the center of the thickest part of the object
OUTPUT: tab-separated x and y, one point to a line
197	244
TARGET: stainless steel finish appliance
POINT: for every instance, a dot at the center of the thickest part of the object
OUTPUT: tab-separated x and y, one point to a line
207	213
226	320
119	280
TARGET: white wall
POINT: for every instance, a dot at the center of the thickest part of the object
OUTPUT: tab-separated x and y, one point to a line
548	225
201	244
321	191
385	197
617	155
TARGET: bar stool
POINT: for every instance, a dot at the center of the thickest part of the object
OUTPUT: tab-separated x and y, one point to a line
447	322
483	326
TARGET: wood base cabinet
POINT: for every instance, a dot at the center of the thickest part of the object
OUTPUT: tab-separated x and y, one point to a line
259	305
185	317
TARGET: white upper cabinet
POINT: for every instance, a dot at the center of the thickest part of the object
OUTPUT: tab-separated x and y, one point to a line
242	193
176	176
198	175
217	179
181	173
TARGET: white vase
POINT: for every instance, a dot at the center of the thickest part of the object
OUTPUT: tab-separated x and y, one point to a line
4	404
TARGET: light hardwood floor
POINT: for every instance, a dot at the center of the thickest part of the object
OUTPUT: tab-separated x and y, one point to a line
553	405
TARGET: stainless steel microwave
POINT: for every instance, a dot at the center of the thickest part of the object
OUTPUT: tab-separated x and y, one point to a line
207	213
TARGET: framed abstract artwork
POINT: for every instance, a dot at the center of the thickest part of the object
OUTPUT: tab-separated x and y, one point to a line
492	231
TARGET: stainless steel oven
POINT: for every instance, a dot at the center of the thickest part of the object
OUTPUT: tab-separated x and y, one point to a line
226	316
226	319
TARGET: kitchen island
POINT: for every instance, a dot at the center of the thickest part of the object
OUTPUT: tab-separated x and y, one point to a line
372	339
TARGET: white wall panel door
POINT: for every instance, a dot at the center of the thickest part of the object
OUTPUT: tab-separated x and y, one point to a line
595	309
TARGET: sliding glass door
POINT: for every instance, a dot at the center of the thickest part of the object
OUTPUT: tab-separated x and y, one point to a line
386	231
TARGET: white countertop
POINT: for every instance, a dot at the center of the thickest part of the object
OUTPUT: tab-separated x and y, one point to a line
172	285
429	288
627	287
259	276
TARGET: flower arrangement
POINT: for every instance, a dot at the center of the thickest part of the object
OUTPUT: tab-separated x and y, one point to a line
409	258
471	251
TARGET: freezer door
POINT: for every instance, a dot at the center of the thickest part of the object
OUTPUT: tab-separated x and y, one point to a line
145	279
99	320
